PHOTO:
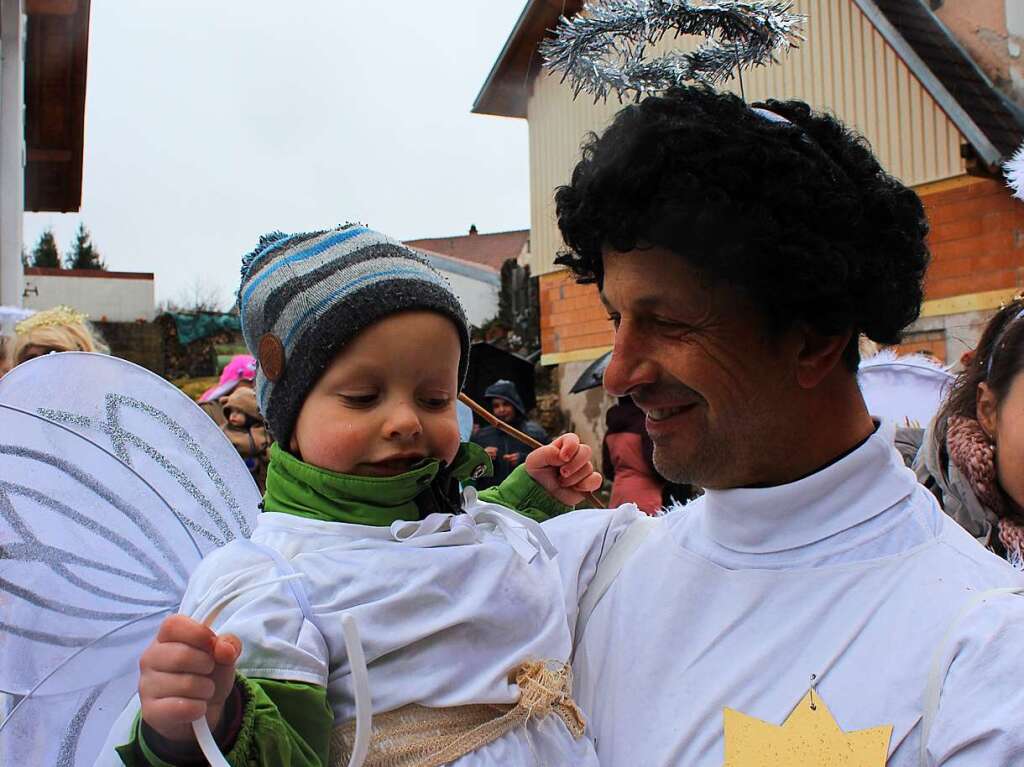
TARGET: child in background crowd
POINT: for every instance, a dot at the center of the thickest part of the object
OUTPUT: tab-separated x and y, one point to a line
362	350
244	427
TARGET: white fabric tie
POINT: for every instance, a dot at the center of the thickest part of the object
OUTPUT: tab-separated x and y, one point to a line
524	535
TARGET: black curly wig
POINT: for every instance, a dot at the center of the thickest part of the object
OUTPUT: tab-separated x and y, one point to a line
799	216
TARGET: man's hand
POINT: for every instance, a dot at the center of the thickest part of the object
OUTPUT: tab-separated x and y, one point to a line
492	452
187	672
563	468
512	458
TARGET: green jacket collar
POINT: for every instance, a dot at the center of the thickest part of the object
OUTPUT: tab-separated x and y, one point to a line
295	487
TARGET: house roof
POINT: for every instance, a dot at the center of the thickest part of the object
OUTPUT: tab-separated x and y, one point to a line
487	250
991	124
56	55
477	272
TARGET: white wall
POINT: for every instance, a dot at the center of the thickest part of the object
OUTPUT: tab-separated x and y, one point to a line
104	299
479	298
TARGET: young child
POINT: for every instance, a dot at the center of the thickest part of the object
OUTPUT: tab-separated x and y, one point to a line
363	348
244	427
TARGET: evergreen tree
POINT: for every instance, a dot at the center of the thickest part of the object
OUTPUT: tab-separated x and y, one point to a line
83	255
45	253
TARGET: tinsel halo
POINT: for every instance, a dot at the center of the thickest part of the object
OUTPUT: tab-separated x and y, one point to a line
55	317
602	48
1014	169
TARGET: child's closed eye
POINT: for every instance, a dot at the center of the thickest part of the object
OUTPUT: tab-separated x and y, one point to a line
436	403
358	400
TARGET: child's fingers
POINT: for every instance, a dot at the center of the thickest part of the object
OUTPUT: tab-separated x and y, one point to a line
580	460
589	484
576	477
568	445
543	457
182	629
157	685
176	657
161	712
227	649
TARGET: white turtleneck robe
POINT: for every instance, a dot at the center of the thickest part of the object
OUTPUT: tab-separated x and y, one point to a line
853	574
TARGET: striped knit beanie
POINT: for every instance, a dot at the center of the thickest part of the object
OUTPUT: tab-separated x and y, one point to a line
304	296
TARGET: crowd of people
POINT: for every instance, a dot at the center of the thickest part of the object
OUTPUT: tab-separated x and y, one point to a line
742	252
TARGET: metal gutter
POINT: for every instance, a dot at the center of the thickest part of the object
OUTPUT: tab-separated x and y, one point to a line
986	150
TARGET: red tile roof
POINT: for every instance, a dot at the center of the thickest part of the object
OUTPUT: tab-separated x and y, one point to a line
491	250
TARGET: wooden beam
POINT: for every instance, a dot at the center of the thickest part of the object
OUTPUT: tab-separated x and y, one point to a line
56	57
51	7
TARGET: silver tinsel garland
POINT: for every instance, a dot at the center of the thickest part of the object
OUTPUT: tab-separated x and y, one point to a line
602	49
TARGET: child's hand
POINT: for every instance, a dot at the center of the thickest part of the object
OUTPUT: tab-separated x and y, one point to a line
186	672
563	468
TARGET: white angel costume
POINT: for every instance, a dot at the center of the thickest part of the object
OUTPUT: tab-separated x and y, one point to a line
850	585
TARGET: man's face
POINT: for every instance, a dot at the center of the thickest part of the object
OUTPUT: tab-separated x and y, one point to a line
503	409
696	358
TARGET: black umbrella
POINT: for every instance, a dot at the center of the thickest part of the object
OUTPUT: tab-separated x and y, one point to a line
593	376
488	363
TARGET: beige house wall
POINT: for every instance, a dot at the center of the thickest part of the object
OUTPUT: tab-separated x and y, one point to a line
844	66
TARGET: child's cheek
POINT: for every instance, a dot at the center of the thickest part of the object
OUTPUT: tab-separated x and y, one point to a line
448	440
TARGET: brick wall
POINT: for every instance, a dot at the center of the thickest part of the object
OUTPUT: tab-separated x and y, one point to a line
571	316
977	239
930	342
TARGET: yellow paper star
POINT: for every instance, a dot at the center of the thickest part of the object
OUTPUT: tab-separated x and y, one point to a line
809	737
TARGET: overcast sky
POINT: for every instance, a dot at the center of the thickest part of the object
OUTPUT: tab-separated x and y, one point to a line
208	123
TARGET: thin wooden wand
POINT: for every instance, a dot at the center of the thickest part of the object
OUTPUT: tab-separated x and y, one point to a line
513	432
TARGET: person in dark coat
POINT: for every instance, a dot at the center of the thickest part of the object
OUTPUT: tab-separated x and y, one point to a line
506	452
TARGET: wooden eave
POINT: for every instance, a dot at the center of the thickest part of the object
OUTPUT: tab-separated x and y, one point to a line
506	90
56	58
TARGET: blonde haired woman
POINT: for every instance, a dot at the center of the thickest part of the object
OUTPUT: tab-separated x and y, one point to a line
60	329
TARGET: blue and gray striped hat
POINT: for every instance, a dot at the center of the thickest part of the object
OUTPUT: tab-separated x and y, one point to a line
304	296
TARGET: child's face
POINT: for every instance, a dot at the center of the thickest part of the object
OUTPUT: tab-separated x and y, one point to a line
236	418
387	401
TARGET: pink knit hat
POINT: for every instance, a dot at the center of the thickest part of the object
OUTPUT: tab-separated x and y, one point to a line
242	367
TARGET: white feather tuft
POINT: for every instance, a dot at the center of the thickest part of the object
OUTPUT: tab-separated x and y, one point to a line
1014	170
890	357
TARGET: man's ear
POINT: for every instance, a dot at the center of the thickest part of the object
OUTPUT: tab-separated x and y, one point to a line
986	410
818	354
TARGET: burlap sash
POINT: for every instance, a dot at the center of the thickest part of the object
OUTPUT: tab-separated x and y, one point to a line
417	736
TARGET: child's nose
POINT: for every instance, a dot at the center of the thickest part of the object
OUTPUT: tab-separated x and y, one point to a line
404	423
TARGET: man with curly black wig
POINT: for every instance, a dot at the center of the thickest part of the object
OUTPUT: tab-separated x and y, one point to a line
741	252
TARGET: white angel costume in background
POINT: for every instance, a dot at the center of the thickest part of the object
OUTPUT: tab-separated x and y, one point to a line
853	575
903	390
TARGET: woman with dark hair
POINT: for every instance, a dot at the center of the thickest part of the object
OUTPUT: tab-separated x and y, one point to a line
973	454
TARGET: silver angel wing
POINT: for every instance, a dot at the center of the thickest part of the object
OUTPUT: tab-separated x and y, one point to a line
104	513
151	426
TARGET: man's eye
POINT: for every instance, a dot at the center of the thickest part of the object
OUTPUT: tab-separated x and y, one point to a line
436	403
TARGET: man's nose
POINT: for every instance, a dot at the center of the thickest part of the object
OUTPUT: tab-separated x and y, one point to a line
629	367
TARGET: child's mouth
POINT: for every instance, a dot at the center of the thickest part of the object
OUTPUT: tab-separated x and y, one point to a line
392	467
